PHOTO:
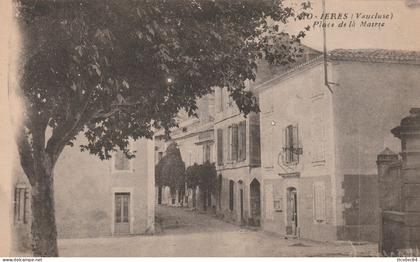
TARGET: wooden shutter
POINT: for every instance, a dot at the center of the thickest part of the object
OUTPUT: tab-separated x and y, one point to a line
217	95
231	194
16	204
291	144
222	99
295	144
242	141
318	137
287	144
234	143
219	147
228	142
319	202
254	144
25	206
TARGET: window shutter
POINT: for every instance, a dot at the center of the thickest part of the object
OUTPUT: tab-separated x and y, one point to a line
295	141
242	141
25	206
16	206
254	145
219	147
222	99
235	142
286	145
319	202
217	95
228	143
318	136
231	194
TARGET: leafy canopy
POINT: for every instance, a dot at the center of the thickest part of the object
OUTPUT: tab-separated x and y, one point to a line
203	175
120	69
170	170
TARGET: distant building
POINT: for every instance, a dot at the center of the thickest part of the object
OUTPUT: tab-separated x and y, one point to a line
94	198
195	140
319	147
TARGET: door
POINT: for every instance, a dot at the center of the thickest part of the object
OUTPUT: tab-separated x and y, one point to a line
292	215
122	213
159	195
255	202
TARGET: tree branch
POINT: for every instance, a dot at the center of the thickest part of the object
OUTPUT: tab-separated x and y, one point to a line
62	134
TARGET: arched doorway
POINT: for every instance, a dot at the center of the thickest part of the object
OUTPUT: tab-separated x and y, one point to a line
255	202
292	215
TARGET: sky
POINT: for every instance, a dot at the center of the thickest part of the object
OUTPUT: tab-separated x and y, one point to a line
401	32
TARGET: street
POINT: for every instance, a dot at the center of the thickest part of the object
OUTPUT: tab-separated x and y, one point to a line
188	233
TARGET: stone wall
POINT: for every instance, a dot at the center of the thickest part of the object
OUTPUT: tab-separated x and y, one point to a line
400	191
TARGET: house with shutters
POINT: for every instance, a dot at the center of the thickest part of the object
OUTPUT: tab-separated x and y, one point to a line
319	142
237	162
93	198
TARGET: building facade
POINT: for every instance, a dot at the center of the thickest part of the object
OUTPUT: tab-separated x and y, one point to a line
319	143
237	161
94	198
195	140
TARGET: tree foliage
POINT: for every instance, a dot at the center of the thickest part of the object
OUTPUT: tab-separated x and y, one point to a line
170	170
203	175
102	67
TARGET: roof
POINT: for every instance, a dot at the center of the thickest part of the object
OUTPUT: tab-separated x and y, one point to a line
271	73
376	55
266	71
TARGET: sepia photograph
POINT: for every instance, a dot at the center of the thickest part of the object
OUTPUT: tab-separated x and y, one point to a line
210	128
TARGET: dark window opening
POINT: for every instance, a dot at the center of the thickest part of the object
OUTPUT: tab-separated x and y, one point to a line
231	194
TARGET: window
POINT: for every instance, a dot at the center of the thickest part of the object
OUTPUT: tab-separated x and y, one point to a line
231	194
234	143
318	129
21	201
229	143
291	145
318	136
121	162
219	147
207	153
319	202
242	141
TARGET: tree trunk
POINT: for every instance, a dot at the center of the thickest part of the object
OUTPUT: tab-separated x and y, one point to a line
44	230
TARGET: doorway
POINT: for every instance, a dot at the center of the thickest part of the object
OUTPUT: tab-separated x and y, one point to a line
122	213
159	195
292	215
255	202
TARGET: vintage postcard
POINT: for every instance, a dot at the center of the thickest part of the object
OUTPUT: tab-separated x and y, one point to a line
210	128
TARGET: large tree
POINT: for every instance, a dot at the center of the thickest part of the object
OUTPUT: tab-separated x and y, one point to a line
170	170
114	70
